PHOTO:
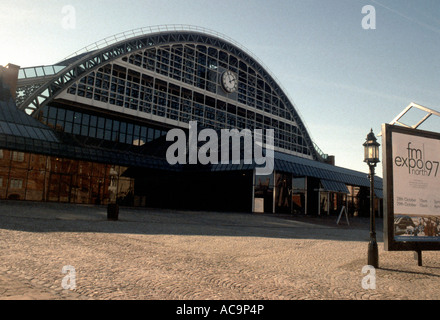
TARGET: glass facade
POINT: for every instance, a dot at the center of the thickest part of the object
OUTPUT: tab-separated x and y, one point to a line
299	192
122	97
34	177
263	193
99	127
283	192
182	83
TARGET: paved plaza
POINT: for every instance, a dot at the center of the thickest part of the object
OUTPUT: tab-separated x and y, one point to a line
179	255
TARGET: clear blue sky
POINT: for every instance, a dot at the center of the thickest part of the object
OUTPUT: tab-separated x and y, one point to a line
343	79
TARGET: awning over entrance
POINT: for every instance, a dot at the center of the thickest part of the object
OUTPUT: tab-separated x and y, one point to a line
334	186
378	193
336	177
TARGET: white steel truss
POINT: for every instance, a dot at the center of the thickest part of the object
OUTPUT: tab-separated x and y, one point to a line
429	113
94	57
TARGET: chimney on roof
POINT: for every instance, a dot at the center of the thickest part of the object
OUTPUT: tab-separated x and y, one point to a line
9	77
330	160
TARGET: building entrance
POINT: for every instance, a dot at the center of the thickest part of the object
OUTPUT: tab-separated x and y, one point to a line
283	193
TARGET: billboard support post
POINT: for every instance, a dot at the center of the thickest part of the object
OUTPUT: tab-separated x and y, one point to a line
418	257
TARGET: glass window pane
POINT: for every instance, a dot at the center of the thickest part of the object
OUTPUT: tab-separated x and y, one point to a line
100	134
150	134
92	132
85	120
69	115
122	137
31	132
115	132
14	129
39	71
53	113
30	72
115	125
61	114
101	122
68	127
130	129
123	127
6	127
144	133
84	130
108	124
76	128
48	70
77	117
93	121
137	131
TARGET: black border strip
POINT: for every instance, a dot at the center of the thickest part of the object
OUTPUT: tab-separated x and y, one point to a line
391	244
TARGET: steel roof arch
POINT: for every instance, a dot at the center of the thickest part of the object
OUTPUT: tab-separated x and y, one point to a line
93	57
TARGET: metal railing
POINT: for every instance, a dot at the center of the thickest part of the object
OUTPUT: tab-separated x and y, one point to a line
41	71
155	29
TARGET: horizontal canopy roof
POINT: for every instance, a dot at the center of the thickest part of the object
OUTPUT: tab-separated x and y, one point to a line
333	186
310	168
336	178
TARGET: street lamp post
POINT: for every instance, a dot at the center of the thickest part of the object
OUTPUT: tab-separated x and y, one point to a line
371	157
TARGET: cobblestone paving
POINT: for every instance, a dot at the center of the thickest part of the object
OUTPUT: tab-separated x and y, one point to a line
171	255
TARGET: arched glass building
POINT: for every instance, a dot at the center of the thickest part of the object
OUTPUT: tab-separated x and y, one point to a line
109	107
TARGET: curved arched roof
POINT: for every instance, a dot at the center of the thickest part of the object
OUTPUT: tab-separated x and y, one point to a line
99	54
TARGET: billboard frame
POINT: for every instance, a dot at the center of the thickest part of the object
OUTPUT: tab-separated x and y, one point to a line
391	244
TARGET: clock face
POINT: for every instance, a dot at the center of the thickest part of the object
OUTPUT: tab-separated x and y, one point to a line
229	81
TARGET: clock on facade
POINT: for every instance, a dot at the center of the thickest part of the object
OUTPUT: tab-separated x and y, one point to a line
229	81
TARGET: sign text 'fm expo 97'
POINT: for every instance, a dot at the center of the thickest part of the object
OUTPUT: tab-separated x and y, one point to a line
416	175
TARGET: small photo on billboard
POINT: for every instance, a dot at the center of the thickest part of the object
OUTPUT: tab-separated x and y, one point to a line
416	228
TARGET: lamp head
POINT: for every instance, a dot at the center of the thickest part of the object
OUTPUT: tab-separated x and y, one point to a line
371	149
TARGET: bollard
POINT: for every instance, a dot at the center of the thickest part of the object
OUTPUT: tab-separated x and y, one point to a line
112	211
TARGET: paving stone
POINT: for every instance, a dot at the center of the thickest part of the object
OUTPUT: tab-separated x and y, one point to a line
173	255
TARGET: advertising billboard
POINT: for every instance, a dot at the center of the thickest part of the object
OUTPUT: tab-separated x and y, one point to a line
411	170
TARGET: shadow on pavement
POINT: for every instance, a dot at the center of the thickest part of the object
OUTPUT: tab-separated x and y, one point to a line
419	273
58	217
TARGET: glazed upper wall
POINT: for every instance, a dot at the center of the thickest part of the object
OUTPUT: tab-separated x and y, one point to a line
175	77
